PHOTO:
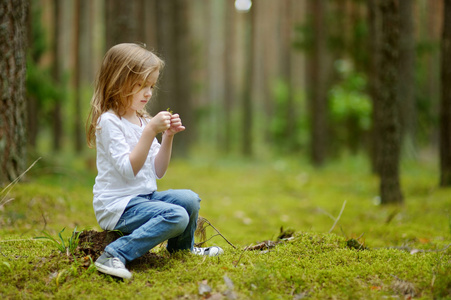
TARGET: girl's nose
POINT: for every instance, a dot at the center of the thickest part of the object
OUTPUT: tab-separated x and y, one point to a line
148	92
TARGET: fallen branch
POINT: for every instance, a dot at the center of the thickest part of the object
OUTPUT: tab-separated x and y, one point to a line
200	231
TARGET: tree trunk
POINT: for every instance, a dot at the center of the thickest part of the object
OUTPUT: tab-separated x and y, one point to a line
445	108
286	70
374	44
390	134
247	110
13	138
57	74
122	22
317	85
229	71
175	84
406	86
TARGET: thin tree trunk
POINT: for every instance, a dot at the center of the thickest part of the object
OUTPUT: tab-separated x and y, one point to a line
57	76
445	109
406	86
13	137
247	117
390	144
375	32
79	8
317	86
229	69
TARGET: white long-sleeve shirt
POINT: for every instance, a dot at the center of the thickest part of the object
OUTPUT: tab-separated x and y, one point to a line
116	184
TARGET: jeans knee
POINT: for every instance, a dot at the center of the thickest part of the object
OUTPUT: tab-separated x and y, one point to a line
181	219
192	201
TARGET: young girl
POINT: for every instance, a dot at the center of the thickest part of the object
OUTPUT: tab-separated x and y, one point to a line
130	159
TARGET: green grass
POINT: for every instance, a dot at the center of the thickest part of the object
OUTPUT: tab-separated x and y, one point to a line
248	202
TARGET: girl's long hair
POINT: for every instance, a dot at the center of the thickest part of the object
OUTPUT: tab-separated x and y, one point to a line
123	66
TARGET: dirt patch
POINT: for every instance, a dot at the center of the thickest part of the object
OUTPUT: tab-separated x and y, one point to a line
92	243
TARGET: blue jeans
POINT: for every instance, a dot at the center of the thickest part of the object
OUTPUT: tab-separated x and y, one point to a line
149	220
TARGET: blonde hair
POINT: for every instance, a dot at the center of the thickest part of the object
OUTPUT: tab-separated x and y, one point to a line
123	66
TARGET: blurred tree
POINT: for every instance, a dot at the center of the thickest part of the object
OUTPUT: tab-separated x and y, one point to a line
13	41
173	40
389	143
406	83
316	86
286	71
81	44
57	74
246	98
123	22
374	48
445	109
229	71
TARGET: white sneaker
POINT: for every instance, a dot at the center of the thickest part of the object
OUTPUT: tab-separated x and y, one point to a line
209	251
112	266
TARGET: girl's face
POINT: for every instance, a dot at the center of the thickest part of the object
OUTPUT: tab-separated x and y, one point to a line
142	92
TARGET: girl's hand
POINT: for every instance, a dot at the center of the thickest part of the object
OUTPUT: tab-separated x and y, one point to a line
176	125
160	122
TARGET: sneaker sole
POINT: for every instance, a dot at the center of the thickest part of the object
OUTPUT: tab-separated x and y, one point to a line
114	272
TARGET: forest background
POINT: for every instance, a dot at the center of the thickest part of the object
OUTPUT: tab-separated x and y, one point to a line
285	77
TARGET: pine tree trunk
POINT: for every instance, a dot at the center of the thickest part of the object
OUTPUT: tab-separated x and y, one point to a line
122	22
175	81
445	109
229	71
57	74
374	44
406	86
247	109
317	85
13	137
390	134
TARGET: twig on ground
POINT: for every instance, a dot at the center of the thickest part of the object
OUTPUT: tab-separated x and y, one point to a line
202	231
339	216
10	186
242	252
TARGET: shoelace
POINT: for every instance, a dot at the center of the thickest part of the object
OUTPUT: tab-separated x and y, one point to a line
200	250
117	263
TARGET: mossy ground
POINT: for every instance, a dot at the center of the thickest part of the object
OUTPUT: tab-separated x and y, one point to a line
409	253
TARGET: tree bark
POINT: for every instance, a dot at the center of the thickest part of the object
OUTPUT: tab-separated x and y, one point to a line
122	22
374	44
317	85
175	81
445	108
57	74
390	134
13	41
229	69
406	84
247	109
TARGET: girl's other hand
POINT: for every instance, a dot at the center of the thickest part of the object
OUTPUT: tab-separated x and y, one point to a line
176	125
159	123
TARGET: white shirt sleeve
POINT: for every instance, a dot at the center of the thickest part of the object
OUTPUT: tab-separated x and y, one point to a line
113	137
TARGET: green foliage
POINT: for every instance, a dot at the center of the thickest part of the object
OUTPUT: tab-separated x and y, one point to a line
350	107
287	137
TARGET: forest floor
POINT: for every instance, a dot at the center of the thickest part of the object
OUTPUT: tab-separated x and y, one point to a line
289	232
